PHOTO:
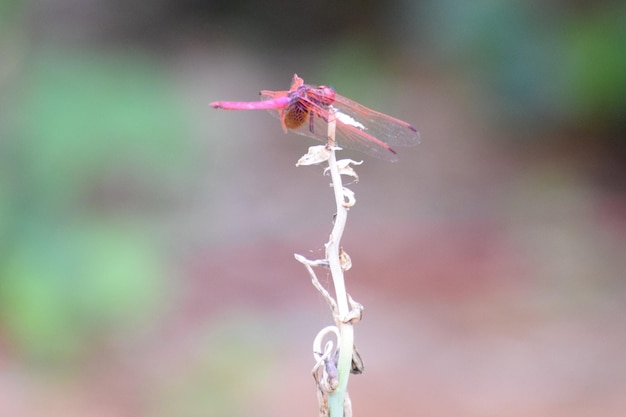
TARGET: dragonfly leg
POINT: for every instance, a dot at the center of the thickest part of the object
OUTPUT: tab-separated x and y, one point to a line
311	125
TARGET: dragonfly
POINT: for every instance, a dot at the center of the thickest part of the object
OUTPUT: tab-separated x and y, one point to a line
307	110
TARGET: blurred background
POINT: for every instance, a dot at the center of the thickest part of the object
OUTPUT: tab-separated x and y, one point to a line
147	240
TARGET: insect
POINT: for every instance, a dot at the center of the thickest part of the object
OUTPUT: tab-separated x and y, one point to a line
306	110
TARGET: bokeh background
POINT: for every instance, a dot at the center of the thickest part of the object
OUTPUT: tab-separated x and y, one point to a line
147	240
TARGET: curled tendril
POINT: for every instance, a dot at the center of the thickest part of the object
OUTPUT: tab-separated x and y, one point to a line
329	348
325	369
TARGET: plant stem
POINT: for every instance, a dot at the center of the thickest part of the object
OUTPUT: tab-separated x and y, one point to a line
346	331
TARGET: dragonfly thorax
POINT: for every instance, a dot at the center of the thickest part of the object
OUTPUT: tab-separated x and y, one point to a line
322	95
303	100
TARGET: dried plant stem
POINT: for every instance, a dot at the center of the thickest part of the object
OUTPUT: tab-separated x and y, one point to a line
337	398
334	363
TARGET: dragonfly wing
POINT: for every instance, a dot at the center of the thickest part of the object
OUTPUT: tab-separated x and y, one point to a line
358	127
348	133
390	130
352	136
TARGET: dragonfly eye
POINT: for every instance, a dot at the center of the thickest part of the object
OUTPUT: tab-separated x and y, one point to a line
324	96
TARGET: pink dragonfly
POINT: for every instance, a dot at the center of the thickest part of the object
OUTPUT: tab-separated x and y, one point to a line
306	110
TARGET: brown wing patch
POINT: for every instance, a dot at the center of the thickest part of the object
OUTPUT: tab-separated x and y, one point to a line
295	115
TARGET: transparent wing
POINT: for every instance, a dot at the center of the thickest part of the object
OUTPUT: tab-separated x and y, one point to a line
390	130
358	127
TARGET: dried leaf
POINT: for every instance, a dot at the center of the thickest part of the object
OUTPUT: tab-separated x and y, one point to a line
344	167
344	260
316	155
349	199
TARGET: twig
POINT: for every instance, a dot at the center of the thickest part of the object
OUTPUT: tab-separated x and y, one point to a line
334	364
346	330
